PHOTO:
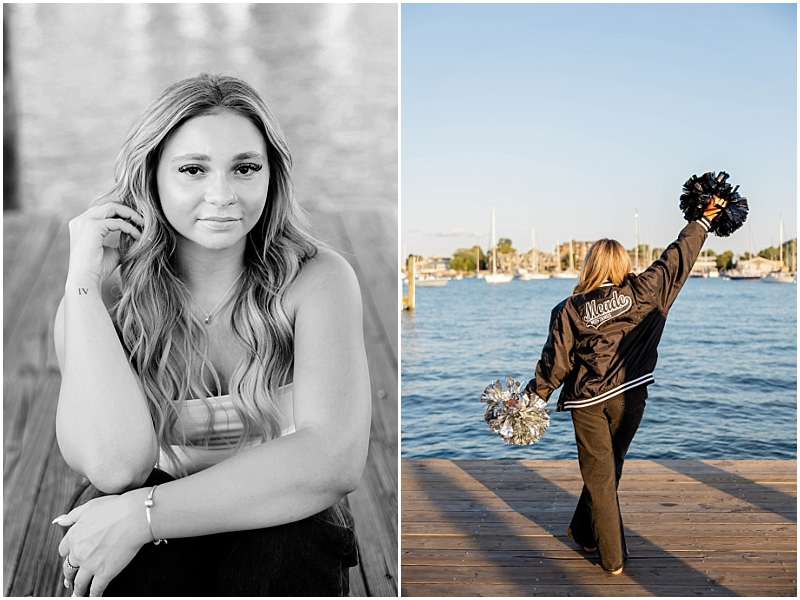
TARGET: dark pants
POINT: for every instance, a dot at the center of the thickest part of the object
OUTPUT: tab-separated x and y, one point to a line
310	557
603	433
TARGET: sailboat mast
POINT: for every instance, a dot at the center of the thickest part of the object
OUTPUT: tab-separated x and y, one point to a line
780	236
494	247
535	259
637	238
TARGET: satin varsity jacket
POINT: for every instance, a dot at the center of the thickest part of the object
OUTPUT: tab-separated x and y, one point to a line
605	342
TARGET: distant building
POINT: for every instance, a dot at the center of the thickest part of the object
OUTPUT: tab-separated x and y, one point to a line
514	261
579	249
433	265
704	265
758	265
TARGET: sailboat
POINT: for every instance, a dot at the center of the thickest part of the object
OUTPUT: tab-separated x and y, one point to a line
494	276
779	276
738	274
571	274
528	276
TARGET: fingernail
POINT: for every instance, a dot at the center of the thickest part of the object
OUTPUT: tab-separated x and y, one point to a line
66	583
57	519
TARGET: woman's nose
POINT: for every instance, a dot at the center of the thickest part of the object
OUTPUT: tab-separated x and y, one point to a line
220	193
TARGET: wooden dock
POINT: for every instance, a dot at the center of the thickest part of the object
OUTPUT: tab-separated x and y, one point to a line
693	528
37	482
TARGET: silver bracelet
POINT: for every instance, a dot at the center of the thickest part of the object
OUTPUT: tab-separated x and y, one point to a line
148	504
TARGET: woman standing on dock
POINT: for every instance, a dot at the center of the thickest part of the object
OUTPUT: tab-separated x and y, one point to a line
226	349
602	347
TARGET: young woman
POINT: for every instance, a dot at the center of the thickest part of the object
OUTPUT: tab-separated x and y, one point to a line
602	348
220	343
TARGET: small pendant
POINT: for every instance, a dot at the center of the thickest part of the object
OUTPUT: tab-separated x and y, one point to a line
208	317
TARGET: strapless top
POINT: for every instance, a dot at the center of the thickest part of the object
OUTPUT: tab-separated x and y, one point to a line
193	421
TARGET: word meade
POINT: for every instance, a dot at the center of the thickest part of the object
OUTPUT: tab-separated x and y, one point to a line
596	314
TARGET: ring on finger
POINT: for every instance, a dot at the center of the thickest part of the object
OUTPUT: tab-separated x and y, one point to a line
70	565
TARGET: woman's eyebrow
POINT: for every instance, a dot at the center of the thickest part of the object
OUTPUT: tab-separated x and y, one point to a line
203	157
246	155
207	158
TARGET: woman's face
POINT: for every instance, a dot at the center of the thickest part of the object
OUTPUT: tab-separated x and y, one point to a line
212	180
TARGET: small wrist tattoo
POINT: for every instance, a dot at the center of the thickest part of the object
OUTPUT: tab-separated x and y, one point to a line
82	291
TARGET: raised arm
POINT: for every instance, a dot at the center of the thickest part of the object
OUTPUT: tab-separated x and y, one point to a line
666	276
103	425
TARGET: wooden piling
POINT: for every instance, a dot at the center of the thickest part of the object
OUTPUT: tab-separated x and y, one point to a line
408	301
10	159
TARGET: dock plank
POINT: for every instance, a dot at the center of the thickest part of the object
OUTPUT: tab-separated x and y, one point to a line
617	590
495	528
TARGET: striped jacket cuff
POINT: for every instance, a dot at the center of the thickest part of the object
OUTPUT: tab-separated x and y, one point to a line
705	223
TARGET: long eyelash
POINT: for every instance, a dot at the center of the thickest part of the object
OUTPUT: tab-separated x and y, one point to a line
185	168
252	166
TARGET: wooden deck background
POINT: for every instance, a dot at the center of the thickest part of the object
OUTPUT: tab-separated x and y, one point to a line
694	528
37	482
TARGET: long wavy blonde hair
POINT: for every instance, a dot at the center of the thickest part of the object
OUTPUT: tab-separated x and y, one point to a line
606	260
165	341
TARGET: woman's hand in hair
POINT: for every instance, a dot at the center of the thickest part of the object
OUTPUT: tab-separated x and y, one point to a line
714	208
88	257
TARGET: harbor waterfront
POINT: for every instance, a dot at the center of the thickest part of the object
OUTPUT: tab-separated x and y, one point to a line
725	385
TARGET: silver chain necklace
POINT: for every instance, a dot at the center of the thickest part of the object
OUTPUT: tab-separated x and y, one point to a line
210	313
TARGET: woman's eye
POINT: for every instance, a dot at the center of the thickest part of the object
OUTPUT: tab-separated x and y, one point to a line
190	169
248	169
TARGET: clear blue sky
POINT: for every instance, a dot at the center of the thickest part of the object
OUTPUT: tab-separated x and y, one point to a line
567	117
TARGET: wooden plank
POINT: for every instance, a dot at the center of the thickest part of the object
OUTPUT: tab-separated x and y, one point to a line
13	225
656	496
33	249
482	541
646	529
42	537
534	508
573	477
617	590
630	517
373	238
572	486
365	239
647	574
422	556
544	467
575	481
20	532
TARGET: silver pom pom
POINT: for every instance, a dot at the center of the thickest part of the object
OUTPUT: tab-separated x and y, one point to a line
513	415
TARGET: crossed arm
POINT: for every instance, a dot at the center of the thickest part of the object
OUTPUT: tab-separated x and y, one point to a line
278	482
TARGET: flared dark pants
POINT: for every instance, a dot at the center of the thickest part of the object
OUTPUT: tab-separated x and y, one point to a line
310	557
603	433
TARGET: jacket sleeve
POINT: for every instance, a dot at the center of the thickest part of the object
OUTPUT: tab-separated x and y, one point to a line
665	277
556	361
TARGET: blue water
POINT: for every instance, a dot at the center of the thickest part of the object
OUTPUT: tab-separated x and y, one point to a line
726	380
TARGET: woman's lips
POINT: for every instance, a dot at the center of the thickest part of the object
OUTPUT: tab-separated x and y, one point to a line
220	223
